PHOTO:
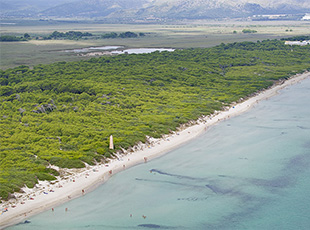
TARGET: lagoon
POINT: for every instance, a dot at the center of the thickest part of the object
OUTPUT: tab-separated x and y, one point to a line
118	50
89	49
141	51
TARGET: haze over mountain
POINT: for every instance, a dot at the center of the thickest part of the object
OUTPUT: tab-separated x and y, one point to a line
27	7
151	9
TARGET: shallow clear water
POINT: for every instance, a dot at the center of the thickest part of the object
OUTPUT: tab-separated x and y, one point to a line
249	172
141	51
126	51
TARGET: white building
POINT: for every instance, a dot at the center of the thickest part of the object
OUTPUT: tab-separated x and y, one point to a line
306	17
299	43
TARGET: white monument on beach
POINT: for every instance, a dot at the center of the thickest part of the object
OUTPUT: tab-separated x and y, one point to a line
111	142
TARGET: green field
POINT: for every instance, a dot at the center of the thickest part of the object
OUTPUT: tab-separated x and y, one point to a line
196	34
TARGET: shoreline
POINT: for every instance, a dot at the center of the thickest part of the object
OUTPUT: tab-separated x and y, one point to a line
76	182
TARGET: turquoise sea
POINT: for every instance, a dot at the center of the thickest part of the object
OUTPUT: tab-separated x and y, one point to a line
248	172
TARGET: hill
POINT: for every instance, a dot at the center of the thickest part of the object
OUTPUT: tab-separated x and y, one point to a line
26	8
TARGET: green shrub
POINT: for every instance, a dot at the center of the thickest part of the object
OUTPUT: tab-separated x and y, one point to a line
45	176
248	31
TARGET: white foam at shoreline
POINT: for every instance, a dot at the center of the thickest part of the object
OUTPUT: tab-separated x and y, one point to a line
92	176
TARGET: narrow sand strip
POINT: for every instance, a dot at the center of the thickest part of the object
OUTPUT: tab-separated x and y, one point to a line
48	195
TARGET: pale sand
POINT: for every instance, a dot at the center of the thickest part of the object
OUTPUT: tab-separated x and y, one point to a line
92	176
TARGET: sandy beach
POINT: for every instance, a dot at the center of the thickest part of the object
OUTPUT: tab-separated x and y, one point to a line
76	182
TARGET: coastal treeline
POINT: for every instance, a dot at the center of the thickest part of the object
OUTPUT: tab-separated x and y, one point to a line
76	35
297	38
63	113
127	34
248	31
70	35
11	38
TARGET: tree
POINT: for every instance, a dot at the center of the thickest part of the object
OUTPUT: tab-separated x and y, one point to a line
128	35
26	36
110	35
248	31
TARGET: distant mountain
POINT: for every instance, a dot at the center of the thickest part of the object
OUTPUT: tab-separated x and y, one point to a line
163	9
24	8
94	8
196	9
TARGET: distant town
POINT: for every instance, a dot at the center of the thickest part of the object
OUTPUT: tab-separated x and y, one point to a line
268	17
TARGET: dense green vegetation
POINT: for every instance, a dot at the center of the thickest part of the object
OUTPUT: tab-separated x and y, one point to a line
248	31
71	35
127	34
63	113
297	38
10	38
